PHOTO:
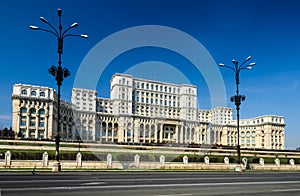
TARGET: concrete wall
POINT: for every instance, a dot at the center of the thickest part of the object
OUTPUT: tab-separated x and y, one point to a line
136	164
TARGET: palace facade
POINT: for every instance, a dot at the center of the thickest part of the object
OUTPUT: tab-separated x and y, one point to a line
138	111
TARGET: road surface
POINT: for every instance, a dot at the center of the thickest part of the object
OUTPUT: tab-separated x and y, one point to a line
150	183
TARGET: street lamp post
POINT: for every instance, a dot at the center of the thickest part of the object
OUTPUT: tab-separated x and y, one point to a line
237	98
58	71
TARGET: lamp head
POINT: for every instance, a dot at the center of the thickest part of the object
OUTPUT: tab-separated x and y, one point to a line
248	58
33	27
242	97
234	62
221	64
59	11
84	36
232	99
252	64
75	24
43	19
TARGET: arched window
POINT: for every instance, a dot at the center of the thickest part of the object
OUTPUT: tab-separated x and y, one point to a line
115	129
103	129
141	130
41	111
243	134
109	133
42	94
23	110
32	111
248	133
33	93
24	92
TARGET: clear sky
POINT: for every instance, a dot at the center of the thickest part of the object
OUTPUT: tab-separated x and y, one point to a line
268	30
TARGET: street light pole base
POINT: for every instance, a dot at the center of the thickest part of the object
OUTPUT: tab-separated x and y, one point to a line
56	167
238	168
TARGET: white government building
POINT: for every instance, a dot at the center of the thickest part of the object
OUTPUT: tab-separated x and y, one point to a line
138	111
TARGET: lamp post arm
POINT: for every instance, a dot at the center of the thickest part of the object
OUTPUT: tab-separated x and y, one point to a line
233	69
247	59
71	27
41	29
73	35
50	25
245	68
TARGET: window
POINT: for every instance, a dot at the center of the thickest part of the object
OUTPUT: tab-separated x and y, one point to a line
42	94
248	133
23	110
24	92
41	111
33	93
32	111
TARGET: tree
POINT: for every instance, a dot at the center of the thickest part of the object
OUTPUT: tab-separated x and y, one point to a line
7	133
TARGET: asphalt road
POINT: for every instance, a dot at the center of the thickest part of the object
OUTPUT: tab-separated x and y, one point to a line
150	183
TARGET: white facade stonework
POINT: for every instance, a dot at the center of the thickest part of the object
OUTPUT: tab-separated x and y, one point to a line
138	111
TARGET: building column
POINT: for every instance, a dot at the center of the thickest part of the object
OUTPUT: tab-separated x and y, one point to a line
46	127
27	124
145	135
155	133
150	132
186	134
181	134
176	134
94	129
18	123
161	133
136	132
125	131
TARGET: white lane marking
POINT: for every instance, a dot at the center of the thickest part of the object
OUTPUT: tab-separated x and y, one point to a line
91	183
286	190
126	179
185	194
149	186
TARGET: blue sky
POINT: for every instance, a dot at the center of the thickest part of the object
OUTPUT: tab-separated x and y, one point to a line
268	30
